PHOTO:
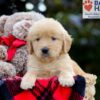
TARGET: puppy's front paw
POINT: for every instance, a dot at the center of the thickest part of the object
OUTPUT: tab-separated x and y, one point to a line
66	81
27	83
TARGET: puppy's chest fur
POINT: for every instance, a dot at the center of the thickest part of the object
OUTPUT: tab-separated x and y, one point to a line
47	73
43	70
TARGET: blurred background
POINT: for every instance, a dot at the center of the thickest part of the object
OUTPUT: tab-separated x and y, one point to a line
86	33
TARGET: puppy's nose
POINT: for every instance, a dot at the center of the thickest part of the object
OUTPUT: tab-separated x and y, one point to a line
45	50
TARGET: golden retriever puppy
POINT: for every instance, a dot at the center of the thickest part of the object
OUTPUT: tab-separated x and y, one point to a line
48	44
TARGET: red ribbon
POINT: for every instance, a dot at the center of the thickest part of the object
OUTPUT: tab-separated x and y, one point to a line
12	43
0	40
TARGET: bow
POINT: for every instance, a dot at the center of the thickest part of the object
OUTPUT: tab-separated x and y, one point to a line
13	43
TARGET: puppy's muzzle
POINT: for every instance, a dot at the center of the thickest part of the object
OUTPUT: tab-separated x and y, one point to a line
45	51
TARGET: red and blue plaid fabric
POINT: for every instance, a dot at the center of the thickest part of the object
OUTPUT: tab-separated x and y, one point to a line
44	89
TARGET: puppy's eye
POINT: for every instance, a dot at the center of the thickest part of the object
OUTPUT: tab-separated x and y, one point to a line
53	38
37	39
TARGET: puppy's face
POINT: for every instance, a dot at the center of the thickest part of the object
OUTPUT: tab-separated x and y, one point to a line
47	47
47	40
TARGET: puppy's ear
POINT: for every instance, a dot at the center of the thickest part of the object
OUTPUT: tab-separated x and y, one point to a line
30	47
67	41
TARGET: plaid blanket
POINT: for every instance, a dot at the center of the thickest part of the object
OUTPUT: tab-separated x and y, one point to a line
44	89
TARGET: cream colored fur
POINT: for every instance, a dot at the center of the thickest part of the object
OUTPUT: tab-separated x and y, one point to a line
58	63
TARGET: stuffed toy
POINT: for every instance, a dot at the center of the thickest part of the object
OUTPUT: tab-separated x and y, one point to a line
6	69
16	53
13	50
16	17
7	22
